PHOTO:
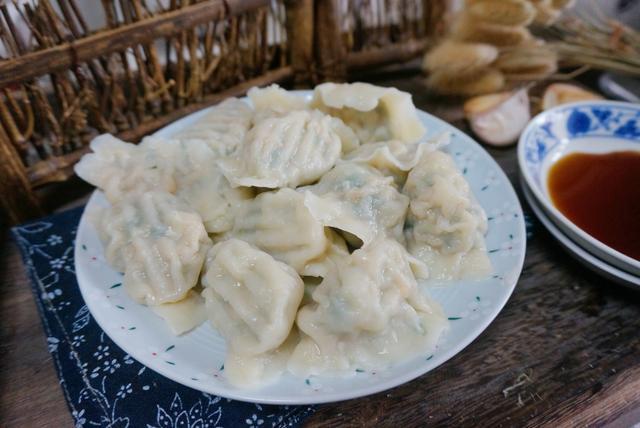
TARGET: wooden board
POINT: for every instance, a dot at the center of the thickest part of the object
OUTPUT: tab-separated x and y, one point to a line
565	351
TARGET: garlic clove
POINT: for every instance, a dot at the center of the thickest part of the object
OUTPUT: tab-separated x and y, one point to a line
563	93
498	119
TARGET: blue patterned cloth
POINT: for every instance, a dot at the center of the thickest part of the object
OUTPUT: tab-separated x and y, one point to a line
103	385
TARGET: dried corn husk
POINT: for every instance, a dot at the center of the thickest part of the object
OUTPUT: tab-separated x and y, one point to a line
487	81
503	12
460	58
469	29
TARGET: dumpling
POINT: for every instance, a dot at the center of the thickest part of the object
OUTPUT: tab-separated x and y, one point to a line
366	313
373	112
395	158
120	168
253	371
273	101
285	151
280	224
183	315
251	298
158	242
209	193
358	199
223	127
445	225
198	180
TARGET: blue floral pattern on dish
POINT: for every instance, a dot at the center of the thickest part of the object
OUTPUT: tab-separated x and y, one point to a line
593	120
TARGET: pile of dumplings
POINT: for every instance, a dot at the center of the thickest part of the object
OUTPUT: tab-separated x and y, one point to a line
299	228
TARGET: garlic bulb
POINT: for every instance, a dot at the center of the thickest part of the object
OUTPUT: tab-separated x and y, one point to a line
498	119
563	93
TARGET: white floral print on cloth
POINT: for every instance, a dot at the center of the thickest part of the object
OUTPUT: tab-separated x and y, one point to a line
104	386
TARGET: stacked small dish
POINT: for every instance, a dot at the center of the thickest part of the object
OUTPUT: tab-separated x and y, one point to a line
594	128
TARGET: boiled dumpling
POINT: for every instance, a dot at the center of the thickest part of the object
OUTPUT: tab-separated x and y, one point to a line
366	313
223	127
273	101
210	194
280	224
204	187
358	199
251	298
183	315
158	242
120	168
373	112
285	151
445	225
252	371
199	181
394	158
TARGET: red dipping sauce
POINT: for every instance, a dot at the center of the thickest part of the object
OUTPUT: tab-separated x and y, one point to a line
600	193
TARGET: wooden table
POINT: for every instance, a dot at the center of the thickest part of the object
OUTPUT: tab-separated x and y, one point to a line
565	351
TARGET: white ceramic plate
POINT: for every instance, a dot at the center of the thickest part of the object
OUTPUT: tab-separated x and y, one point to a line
583	256
196	358
588	127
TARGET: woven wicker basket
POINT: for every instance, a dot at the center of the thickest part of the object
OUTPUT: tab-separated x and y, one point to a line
67	77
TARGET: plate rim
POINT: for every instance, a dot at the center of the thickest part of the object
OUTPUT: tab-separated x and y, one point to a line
328	397
575	249
546	116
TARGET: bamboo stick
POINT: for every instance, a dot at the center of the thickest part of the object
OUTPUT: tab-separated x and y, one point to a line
63	56
329	50
393	53
300	33
18	200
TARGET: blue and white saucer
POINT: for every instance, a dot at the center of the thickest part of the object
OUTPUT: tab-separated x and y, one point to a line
587	127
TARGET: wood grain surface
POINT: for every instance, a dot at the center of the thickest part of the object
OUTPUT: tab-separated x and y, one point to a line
565	351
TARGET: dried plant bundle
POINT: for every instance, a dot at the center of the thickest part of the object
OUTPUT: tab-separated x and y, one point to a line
592	39
527	63
503	12
460	58
546	13
469	29
490	80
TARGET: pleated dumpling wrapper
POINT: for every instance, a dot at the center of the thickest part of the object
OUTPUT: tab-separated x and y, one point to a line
158	241
358	199
280	224
252	300
445	224
288	151
373	112
366	313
